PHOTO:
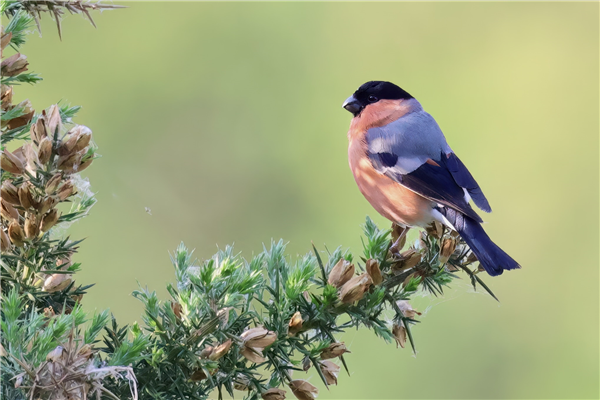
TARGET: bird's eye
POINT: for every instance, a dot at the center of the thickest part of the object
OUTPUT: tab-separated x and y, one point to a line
372	99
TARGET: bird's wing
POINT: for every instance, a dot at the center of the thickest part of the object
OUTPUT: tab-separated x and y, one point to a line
413	152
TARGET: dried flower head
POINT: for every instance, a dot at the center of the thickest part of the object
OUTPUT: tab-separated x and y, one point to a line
341	273
334	350
53	183
220	350
273	394
11	163
330	371
32	226
16	234
49	220
25	118
408	259
44	151
436	230
355	288
407	309
65	190
295	324
56	282
10	193
447	249
5	241
8	212
399	332
258	337
253	354
38	131
303	390
374	272
14	65
26	196
242	383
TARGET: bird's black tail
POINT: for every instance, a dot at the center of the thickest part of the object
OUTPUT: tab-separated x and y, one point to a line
492	258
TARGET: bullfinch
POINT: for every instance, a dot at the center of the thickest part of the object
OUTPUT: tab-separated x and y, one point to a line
406	170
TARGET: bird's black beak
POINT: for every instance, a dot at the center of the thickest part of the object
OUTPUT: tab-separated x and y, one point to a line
353	105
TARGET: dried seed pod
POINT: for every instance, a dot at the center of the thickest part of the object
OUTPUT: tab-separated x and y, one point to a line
409	259
374	271
334	350
32	226
306	364
448	247
49	312
85	164
5	40
56	282
24	119
303	390
436	230
10	193
49	220
53	183
8	212
295	324
65	190
26	197
253	354
399	234
330	371
53	120
7	93
67	147
355	288
258	337
84	138
11	163
69	163
273	394
48	203
399	332
341	273
407	309
44	151
242	383
38	131
16	234
220	350
14	65
5	242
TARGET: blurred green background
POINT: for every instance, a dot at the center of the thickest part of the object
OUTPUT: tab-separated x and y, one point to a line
225	120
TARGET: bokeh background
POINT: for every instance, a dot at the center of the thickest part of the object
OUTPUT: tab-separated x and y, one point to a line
225	120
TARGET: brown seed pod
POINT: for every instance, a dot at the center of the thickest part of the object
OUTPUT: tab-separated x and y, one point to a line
341	273
24	119
14	65
16	234
26	197
10	193
53	183
46	204
355	288
295	324
334	350
303	390
330	371
32	226
53	121
399	332
11	163
38	131
44	151
5	241
258	337
8	212
374	272
49	220
273	394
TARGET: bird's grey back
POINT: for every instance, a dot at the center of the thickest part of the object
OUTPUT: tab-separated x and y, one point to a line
414	138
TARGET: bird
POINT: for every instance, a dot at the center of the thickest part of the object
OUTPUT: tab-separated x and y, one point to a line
404	167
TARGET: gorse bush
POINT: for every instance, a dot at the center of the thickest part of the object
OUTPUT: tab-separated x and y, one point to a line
231	325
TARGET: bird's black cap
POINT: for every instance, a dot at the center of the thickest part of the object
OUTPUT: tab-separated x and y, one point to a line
372	92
